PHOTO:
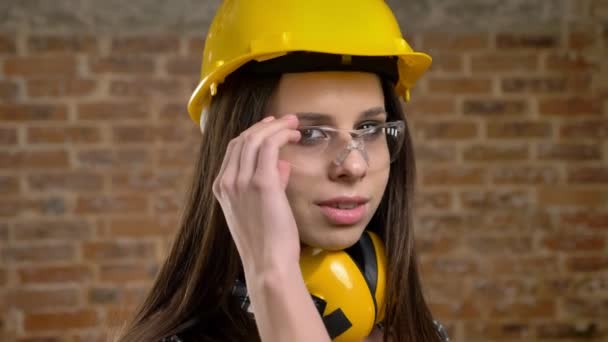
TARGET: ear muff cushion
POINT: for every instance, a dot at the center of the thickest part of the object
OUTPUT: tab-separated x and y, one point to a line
363	255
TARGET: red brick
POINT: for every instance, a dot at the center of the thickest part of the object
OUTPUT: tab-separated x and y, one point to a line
170	203
488	289
503	199
433	200
546	85
574	242
30	112
63	229
515	265
518	130
116	316
570	62
8	136
588	263
63	134
146	87
111	204
54	43
9	185
171	111
119	158
196	46
433	245
103	295
588	175
36	67
453	176
520	175
448	265
184	66
447	62
586	219
30	299
442	223
526	41
454	42
113	111
145	44
122	64
77	181
486	245
177	132
73	273
421	106
569	151
60	87
490	107
176	157
434	153
125	273
34	159
9	90
568	196
509	331
464	310
588	129
146	181
112	250
501	62
538	308
39	253
456	86
495	153
568	331
573	106
586	307
136	133
579	40
8	44
49	205
447	130
60	321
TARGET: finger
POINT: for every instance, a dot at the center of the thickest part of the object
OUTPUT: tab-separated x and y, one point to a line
253	138
268	157
228	154
228	181
220	173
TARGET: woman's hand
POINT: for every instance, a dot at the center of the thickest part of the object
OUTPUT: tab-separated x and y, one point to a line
250	188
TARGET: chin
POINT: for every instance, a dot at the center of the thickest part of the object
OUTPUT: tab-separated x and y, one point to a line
333	238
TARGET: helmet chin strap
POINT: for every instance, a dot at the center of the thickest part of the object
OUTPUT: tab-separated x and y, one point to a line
354	144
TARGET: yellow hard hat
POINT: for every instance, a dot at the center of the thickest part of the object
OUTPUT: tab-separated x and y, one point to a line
348	287
248	30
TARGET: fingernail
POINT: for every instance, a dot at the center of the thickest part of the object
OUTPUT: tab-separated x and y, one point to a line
268	119
291	117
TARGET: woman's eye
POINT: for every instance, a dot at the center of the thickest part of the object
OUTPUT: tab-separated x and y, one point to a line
368	125
310	136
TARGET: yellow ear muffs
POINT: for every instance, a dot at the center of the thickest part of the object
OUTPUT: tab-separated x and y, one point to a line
348	286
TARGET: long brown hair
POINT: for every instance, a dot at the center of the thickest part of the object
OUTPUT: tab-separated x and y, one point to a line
191	295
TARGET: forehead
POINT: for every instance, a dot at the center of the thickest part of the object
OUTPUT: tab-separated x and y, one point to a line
332	92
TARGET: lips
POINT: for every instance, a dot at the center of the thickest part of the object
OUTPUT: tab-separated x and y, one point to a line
344	211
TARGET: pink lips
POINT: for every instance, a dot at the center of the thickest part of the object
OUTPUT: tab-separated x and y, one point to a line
344	217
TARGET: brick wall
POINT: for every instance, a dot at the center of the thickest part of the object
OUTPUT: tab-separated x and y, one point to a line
511	133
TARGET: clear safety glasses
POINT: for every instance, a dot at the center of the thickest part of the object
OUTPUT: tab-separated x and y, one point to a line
377	143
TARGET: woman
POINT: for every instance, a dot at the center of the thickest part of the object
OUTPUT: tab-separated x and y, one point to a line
304	146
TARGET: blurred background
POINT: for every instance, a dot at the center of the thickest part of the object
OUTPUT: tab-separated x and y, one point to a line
511	133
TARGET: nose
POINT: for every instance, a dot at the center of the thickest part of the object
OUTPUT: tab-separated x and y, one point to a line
352	167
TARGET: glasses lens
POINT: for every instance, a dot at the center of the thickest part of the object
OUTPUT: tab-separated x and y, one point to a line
377	145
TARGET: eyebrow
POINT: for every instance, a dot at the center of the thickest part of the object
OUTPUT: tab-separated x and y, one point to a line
326	118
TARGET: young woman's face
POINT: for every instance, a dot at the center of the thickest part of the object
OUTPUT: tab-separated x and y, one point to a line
342	100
